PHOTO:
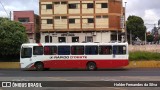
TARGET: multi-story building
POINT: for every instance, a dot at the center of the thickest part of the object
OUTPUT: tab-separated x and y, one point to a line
30	21
80	20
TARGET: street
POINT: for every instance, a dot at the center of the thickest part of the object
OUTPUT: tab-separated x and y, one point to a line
145	74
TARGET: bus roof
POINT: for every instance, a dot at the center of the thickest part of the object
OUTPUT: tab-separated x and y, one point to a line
46	44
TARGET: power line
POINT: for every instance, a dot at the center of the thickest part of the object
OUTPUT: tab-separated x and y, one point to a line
4	8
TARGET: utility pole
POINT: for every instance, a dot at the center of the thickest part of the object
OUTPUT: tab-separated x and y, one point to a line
125	23
10	15
131	37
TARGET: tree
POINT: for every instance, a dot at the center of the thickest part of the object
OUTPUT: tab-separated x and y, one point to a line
12	35
150	38
135	26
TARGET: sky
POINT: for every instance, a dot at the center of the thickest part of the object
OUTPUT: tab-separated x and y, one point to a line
148	10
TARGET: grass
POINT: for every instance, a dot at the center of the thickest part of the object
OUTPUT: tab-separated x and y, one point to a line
139	55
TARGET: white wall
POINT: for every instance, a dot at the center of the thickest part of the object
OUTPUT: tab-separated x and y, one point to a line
97	37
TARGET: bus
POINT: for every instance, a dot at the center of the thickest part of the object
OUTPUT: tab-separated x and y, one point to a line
90	56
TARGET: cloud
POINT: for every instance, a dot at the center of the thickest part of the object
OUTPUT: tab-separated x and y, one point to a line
18	5
150	16
3	14
148	10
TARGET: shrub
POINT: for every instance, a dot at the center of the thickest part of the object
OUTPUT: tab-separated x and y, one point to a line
139	55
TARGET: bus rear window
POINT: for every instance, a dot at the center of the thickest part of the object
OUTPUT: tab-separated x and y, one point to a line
77	50
37	50
91	50
26	52
63	50
119	50
50	50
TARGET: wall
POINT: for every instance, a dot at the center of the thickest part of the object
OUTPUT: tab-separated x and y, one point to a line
97	37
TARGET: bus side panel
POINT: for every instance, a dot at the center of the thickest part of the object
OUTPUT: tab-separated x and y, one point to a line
111	63
65	64
82	63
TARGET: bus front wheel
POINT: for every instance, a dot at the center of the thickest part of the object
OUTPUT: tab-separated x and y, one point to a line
39	66
91	66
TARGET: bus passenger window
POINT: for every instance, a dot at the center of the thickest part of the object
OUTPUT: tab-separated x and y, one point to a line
120	50
105	50
26	52
50	50
91	50
77	50
63	50
37	50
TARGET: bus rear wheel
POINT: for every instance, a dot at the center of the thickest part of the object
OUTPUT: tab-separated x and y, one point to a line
91	66
39	66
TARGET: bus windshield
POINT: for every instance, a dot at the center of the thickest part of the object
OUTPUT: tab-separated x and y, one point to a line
26	52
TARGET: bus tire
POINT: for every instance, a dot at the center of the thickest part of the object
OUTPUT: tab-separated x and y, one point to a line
91	66
39	66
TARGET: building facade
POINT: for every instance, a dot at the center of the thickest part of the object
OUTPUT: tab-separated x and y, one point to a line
30	21
80	20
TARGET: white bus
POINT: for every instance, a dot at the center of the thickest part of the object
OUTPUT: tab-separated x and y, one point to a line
89	56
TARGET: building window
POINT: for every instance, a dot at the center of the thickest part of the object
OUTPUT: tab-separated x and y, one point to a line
71	21
75	39
63	2
57	17
91	50
50	50
105	50
23	20
49	21
98	16
104	5
105	16
72	6
61	39
63	17
37	50
56	2
77	50
90	20
48	6
47	39
63	50
89	5
89	39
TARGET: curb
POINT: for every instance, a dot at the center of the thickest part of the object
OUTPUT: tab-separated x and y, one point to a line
144	64
132	64
9	65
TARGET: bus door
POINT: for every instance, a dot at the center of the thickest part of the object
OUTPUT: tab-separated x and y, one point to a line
26	56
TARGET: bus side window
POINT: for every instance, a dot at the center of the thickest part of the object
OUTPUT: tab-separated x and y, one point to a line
120	50
37	50
77	50
91	50
63	50
26	52
50	50
105	50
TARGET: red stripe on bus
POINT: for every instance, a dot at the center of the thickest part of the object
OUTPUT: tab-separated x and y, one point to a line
62	64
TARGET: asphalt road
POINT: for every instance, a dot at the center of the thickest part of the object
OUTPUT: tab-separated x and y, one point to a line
150	74
80	73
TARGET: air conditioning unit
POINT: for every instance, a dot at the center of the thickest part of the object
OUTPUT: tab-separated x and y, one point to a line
94	33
